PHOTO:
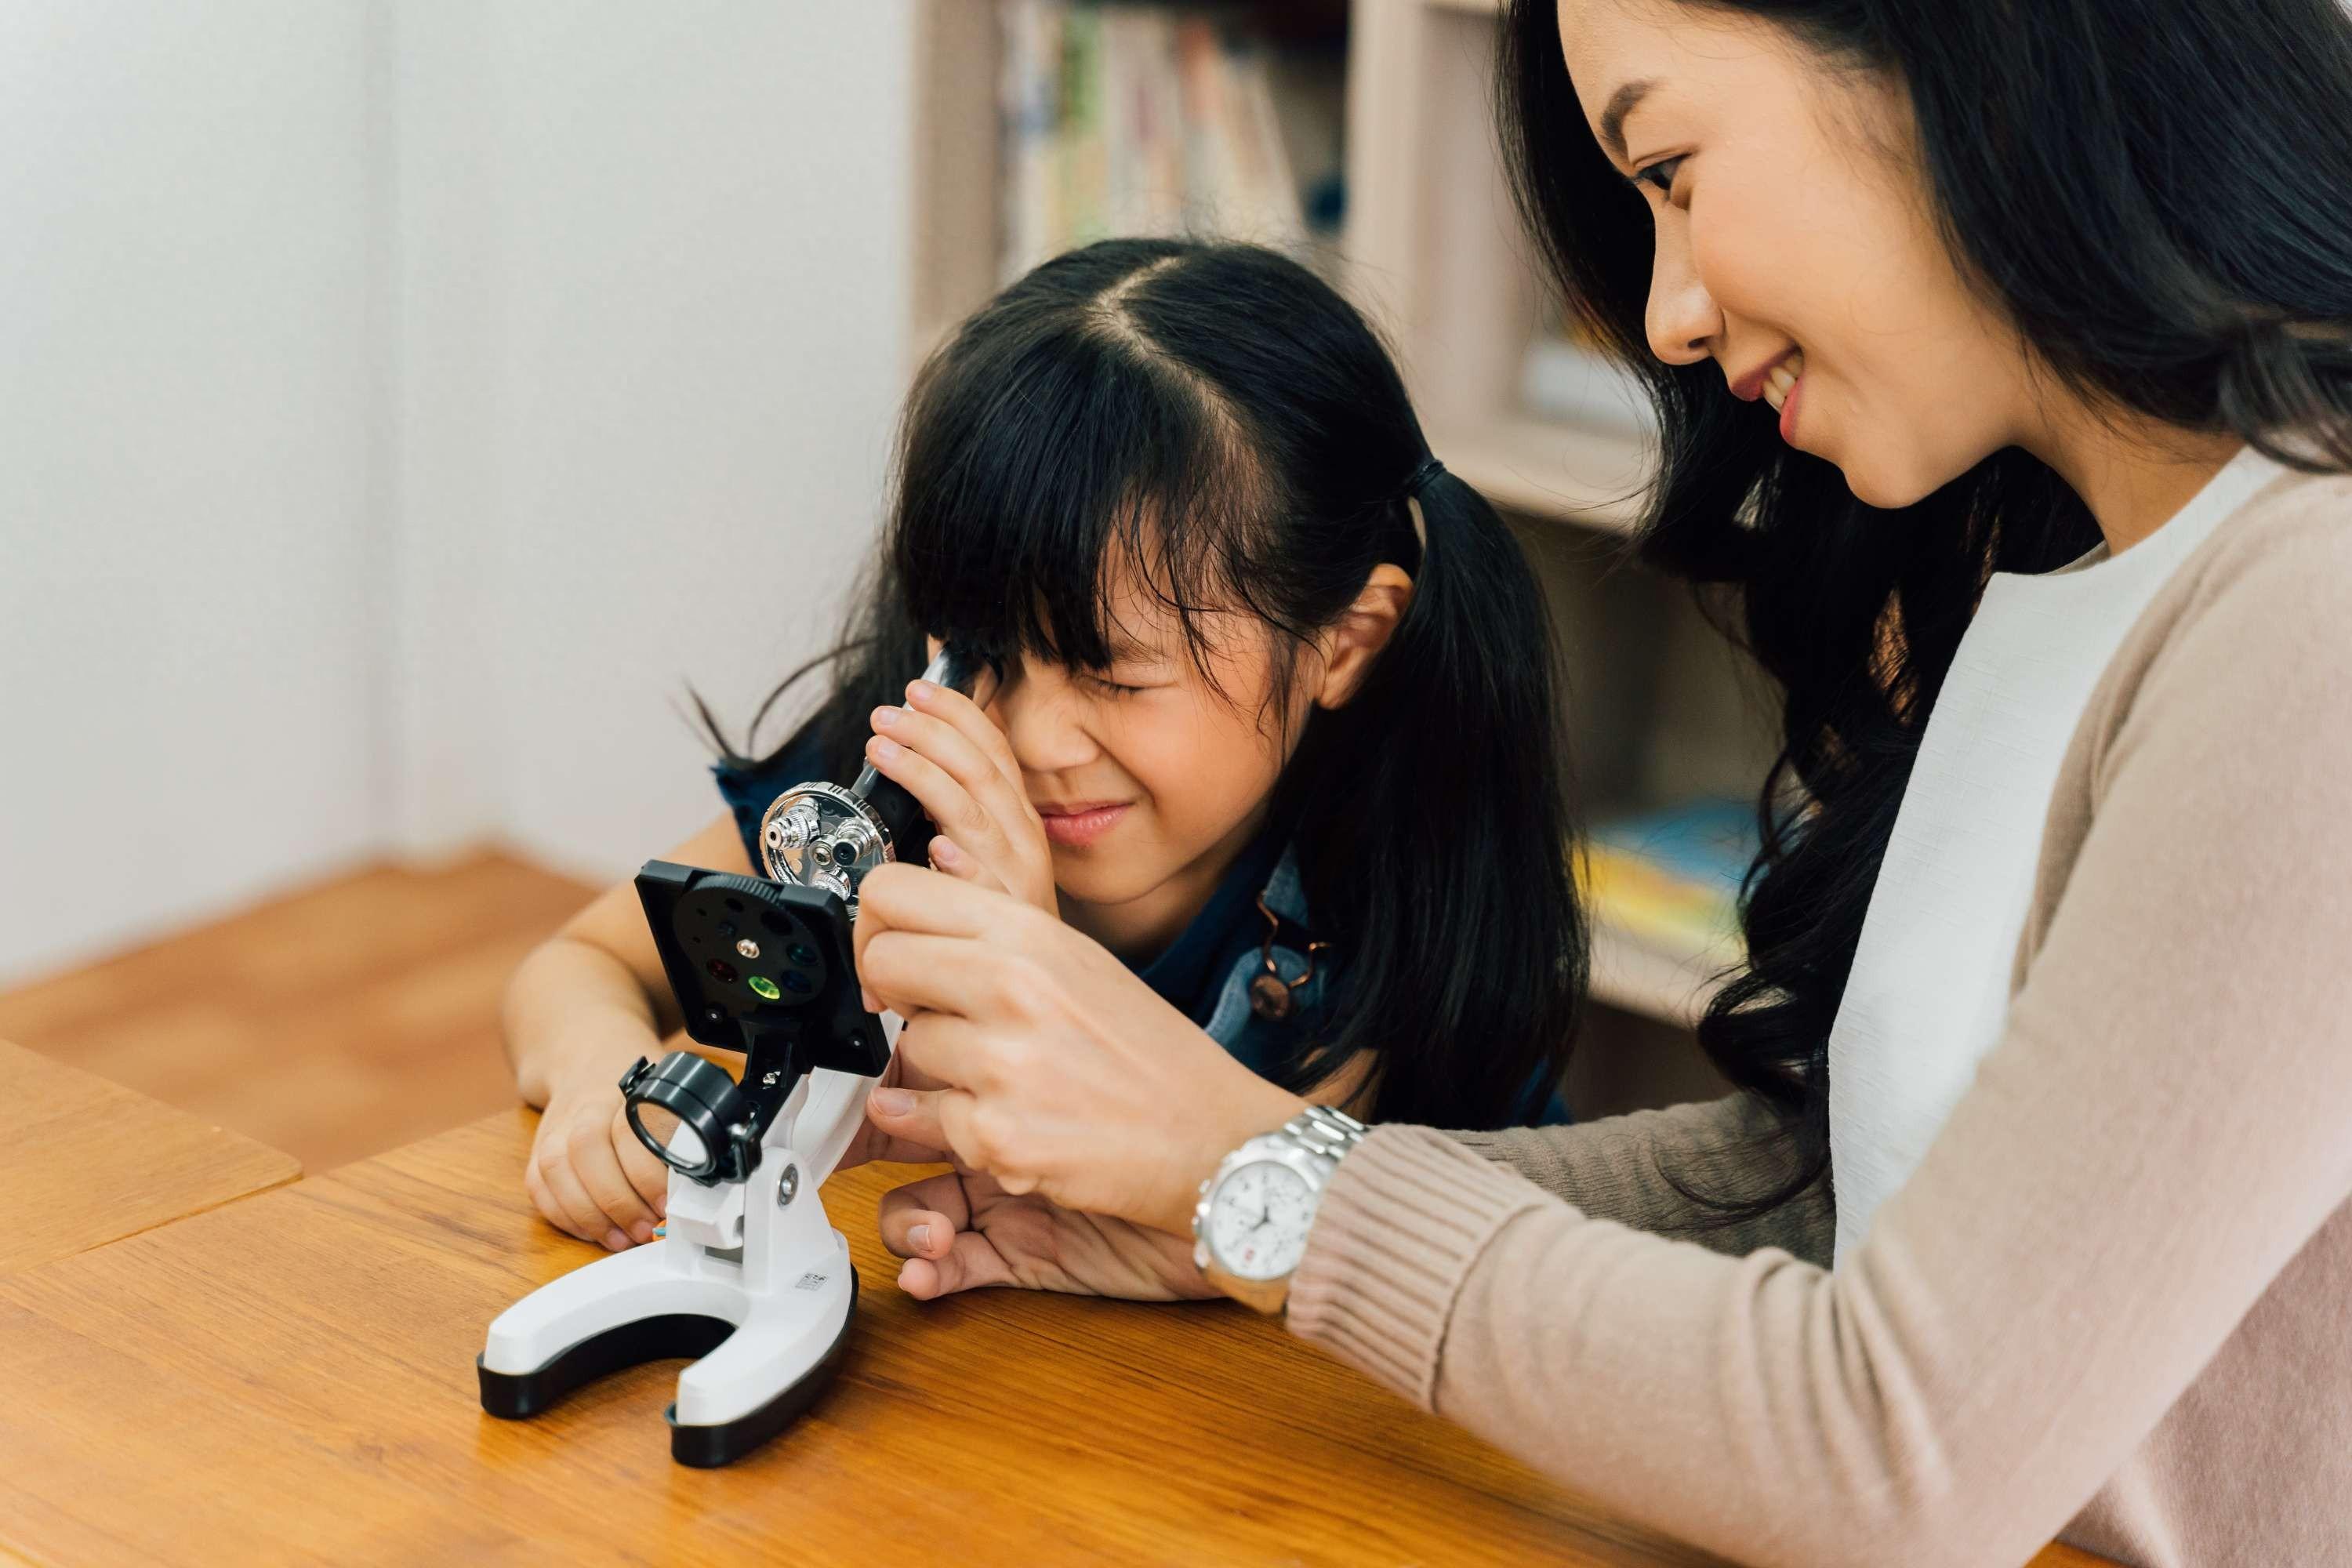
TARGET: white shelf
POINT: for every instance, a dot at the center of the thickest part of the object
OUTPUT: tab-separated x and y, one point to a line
1630	974
1544	469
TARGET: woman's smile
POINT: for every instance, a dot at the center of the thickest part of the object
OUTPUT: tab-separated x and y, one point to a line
1782	379
1783	388
1785	391
1776	384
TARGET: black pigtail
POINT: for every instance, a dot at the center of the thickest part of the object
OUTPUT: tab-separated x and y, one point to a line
1443	838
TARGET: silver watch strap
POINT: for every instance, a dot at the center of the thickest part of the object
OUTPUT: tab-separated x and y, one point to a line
1326	1132
1317	1131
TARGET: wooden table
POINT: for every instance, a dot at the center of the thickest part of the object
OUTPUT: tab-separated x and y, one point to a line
292	1379
86	1161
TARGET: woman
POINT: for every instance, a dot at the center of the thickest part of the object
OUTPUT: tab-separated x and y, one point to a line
2004	359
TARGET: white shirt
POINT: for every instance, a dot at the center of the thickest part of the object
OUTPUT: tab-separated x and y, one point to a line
1928	994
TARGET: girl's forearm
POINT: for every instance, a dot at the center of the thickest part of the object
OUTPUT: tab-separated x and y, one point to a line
574	1014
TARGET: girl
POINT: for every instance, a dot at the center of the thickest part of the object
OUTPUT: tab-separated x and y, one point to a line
1276	721
2003	357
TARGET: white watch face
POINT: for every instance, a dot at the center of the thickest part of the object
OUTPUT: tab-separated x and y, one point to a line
1258	1218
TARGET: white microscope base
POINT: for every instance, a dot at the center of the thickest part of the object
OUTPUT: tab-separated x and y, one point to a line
760	1290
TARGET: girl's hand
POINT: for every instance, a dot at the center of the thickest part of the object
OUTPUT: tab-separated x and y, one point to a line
946	752
962	1231
1063	1074
589	1175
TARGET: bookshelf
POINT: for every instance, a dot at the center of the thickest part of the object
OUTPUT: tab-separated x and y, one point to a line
1431	249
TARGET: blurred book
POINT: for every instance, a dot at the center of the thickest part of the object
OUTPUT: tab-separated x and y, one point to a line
1122	119
1671	878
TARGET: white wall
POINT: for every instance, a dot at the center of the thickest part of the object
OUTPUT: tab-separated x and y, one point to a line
655	268
188	681
398	403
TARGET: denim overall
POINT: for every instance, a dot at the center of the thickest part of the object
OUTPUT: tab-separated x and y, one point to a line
1258	1034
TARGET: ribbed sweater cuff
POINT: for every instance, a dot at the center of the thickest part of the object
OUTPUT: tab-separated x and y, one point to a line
1406	1217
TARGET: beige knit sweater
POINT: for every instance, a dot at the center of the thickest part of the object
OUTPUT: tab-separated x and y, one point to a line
2115	1301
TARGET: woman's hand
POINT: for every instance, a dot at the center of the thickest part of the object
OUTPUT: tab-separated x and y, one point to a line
1063	1074
962	1231
589	1175
871	1141
949	755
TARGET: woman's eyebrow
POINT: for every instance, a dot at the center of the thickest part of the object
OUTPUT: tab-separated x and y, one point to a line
1612	118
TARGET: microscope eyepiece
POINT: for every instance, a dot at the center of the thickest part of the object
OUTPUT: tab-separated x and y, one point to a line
828	836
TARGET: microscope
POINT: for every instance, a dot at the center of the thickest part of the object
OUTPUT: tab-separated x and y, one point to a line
749	1279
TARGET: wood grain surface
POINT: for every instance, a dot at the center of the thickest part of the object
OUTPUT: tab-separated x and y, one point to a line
342	1020
87	1162
292	1379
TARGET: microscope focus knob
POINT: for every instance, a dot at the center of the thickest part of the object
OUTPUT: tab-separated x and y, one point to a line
712	1141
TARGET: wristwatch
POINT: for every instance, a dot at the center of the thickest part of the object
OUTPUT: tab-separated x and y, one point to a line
1250	1229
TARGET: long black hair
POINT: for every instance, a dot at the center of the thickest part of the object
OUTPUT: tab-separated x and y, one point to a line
1223	423
2159	194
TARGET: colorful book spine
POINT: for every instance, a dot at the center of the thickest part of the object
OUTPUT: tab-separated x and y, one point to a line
1672	879
1138	120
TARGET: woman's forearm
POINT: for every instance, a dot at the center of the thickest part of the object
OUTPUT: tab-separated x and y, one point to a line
574	1014
1682	1172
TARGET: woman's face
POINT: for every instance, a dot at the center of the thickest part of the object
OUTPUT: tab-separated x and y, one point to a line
1795	242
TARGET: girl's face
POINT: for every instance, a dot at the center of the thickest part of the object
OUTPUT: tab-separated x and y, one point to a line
1152	776
1795	242
1147	769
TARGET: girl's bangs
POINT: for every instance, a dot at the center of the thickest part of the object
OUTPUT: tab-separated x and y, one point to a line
1083	474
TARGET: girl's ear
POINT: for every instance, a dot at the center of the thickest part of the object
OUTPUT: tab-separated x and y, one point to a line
1352	642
